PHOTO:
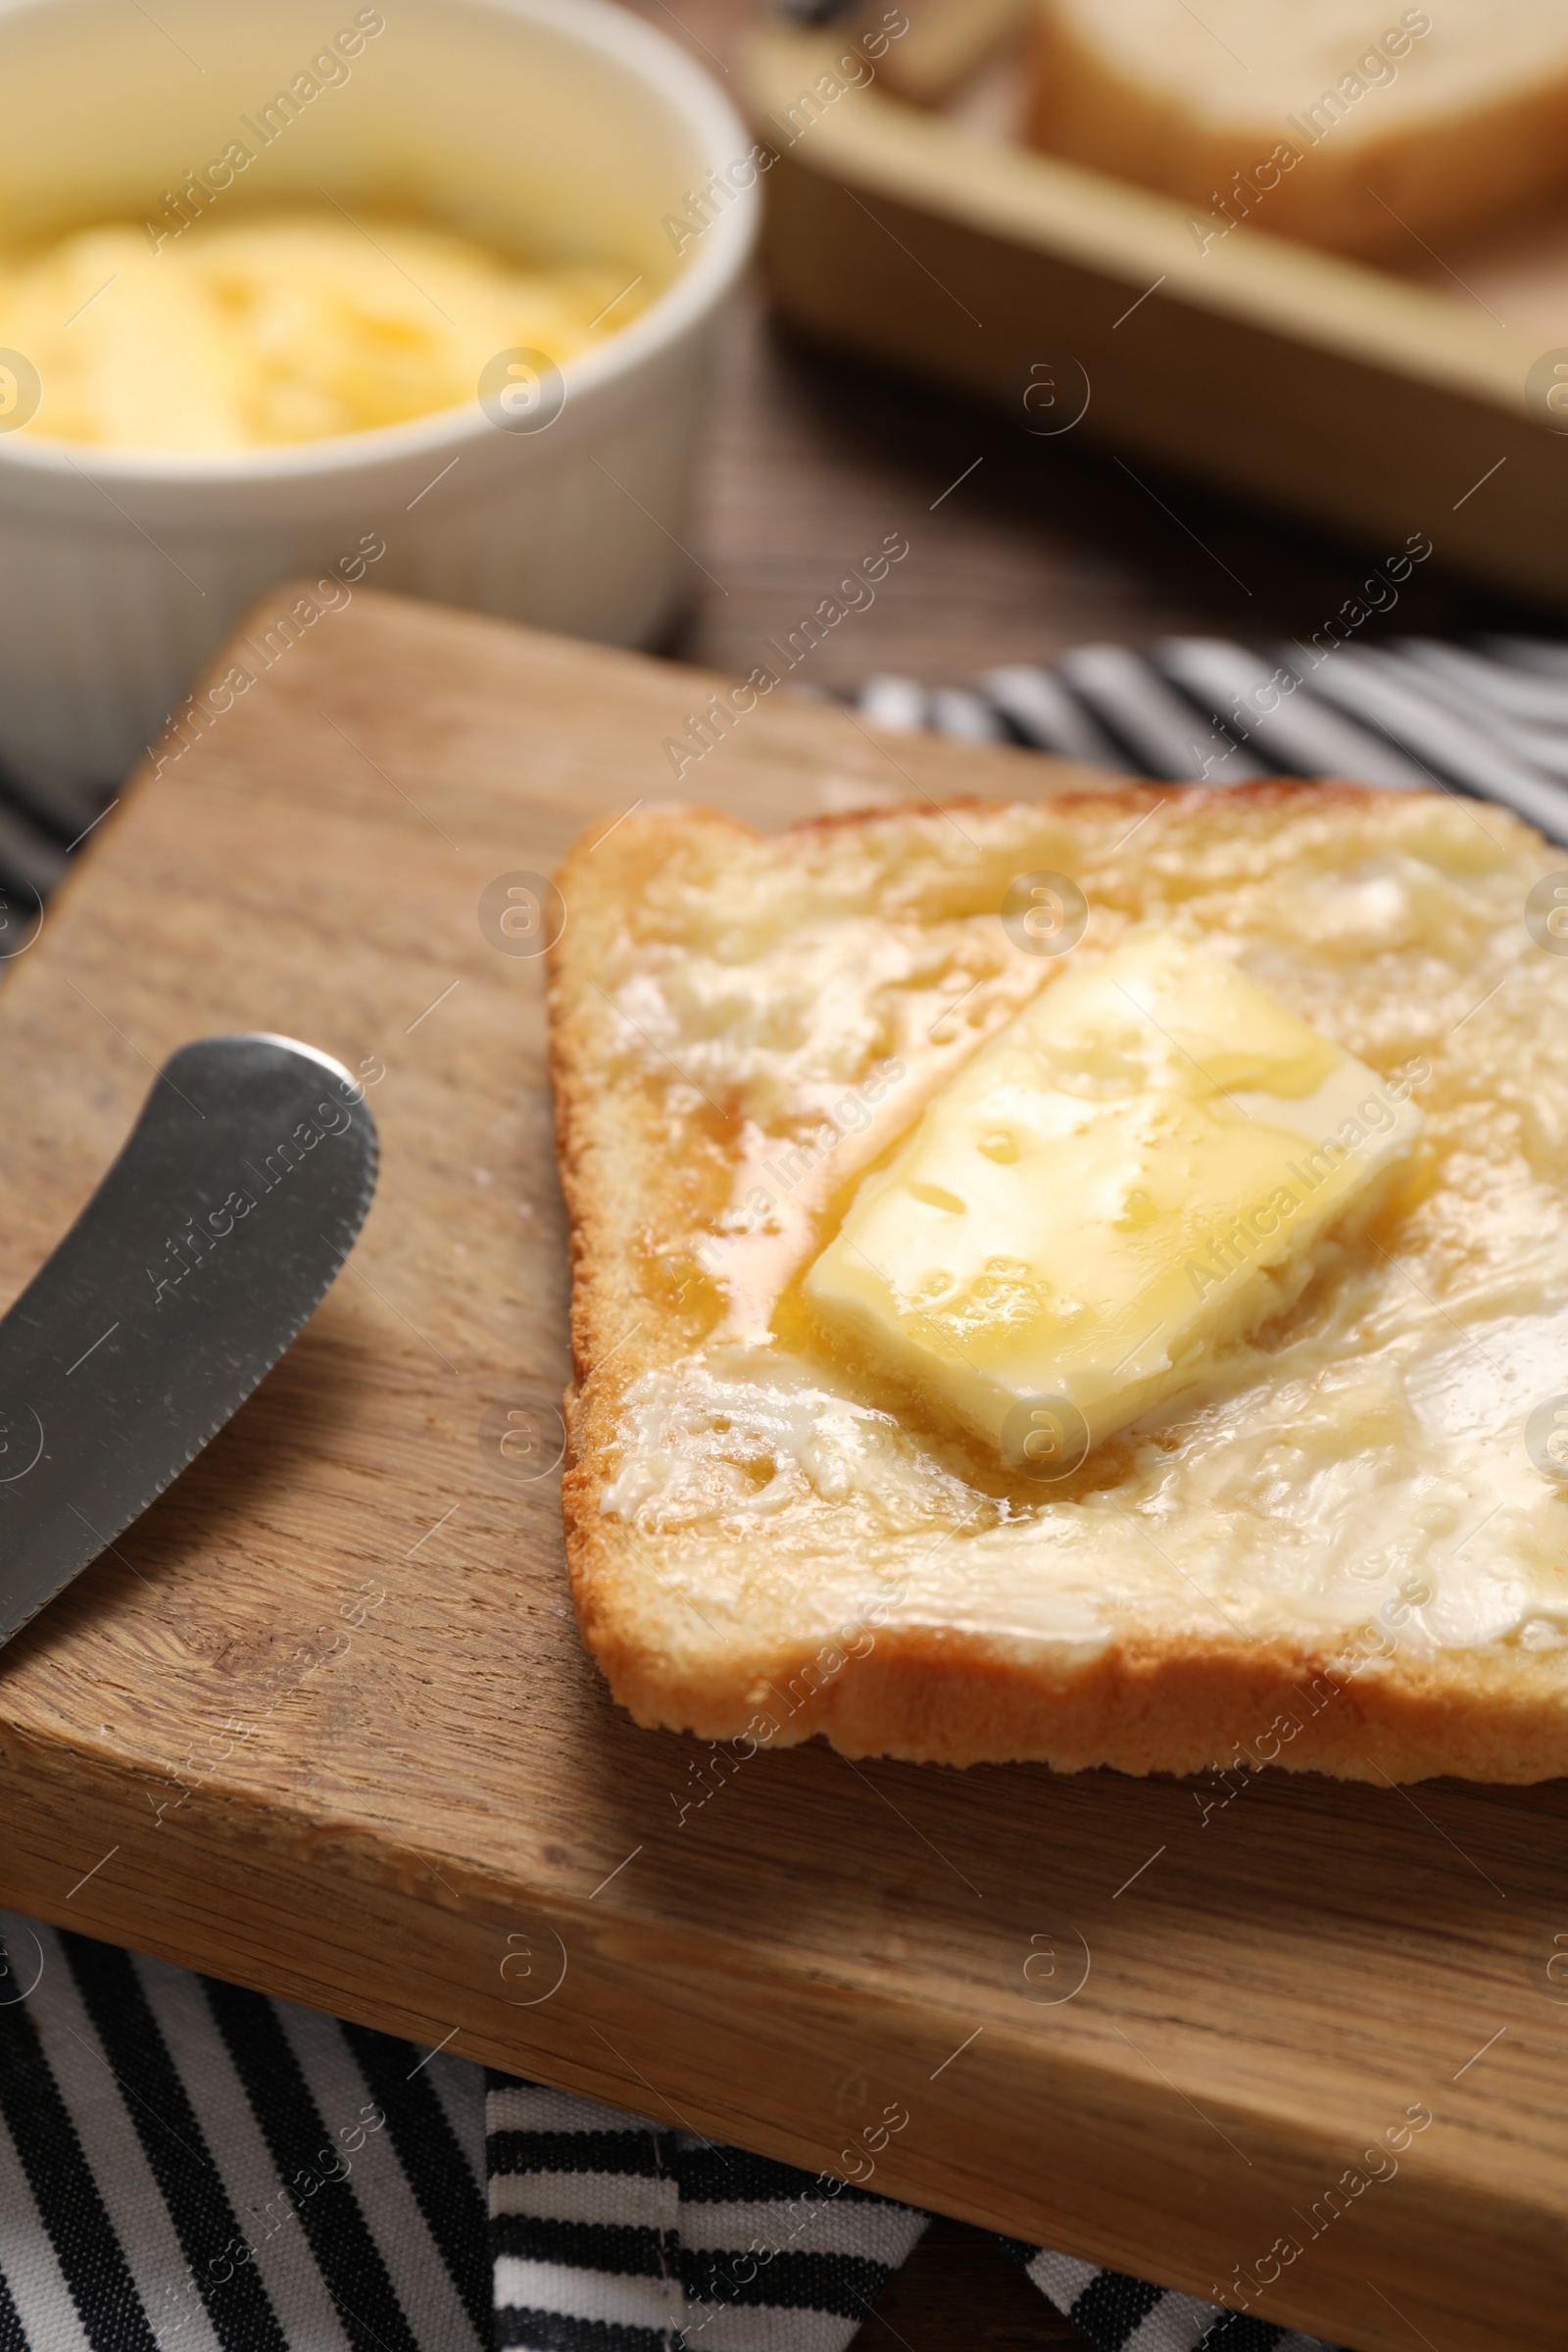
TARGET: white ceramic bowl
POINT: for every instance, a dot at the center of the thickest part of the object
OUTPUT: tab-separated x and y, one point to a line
569	124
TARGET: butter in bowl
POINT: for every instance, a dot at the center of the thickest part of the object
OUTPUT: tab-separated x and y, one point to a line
284	299
282	327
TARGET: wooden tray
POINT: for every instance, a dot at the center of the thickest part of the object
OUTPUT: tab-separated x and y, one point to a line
1378	404
320	1723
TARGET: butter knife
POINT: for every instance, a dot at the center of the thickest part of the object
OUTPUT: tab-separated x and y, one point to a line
203	1253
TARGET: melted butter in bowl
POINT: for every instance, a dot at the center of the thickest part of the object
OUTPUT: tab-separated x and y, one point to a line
246	314
282	326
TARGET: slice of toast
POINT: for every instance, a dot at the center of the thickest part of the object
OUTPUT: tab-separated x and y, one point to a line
1349	1554
1350	123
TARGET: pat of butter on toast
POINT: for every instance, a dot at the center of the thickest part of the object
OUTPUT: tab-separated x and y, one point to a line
1134	1173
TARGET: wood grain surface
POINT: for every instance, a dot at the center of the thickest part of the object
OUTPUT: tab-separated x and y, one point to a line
320	1722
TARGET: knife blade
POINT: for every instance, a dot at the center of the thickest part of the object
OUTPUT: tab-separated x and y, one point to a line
204	1251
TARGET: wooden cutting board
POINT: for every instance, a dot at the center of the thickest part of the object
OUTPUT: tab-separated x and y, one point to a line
319	1722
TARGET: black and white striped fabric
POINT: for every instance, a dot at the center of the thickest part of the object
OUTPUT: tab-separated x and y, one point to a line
1489	718
188	2168
613	2230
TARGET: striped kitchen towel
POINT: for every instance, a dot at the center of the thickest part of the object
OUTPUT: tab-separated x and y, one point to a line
188	2168
1487	718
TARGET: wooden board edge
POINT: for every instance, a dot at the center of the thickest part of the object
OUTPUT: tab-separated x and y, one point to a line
1088	2146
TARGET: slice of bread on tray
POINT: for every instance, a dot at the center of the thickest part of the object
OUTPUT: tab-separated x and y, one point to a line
1347	124
1346	1551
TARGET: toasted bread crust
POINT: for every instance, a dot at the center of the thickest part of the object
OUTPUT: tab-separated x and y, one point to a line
941	1691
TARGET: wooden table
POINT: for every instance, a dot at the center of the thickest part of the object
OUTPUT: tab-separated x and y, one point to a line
1042	547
